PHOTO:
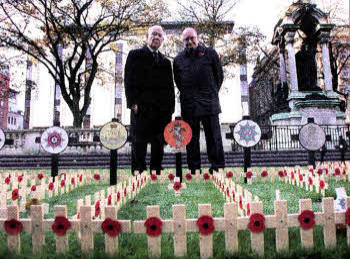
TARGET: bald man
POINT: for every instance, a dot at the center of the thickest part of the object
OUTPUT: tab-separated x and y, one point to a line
149	91
198	75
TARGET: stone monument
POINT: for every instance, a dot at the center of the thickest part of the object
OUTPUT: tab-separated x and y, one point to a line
306	25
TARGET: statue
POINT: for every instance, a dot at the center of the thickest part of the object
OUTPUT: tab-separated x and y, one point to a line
307	68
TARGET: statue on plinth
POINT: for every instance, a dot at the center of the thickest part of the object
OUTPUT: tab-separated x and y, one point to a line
307	68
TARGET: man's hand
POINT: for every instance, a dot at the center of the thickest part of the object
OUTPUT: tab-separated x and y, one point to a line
134	108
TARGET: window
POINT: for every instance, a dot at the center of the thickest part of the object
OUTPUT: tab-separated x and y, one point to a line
14	122
8	120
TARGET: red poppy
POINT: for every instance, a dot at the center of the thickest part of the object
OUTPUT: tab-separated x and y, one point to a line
40	176
141	181
33	188
7	180
249	174
280	173
256	222
200	53
206	176
111	227
337	171
306	219
15	194
326	169
229	174
344	171
347	216
80	178
109	200
264	173
153	177
177	186
248	209
319	171
133	187
285	172
63	183
171	177
51	186
311	170
72	181
292	175
20	178
138	184
60	225
78	216
118	196
300	177
13	226
205	224
322	184
228	192
153	226
310	181
233	196
124	191
240	202
97	209
97	177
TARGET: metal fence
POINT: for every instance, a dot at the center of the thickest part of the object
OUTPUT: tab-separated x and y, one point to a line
287	137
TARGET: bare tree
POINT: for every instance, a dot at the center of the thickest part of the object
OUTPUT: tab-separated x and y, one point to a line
211	19
41	28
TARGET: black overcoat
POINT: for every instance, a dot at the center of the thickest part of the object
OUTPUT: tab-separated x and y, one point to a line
149	84
198	75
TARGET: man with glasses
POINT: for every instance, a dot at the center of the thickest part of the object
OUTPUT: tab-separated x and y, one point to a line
149	91
198	75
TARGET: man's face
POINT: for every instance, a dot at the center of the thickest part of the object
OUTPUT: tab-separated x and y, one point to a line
155	39
190	39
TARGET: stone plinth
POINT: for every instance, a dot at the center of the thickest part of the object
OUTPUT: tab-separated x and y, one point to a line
323	107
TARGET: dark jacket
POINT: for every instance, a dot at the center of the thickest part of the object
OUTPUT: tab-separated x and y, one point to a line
198	75
147	83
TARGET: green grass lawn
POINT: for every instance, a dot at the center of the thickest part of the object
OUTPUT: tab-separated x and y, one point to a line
135	245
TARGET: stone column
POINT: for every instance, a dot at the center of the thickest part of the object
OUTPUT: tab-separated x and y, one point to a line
244	81
28	93
291	61
324	39
283	74
118	81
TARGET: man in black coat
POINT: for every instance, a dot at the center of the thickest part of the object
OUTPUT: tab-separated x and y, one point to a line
149	91
198	75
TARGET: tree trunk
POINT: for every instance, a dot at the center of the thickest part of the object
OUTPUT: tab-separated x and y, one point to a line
77	120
